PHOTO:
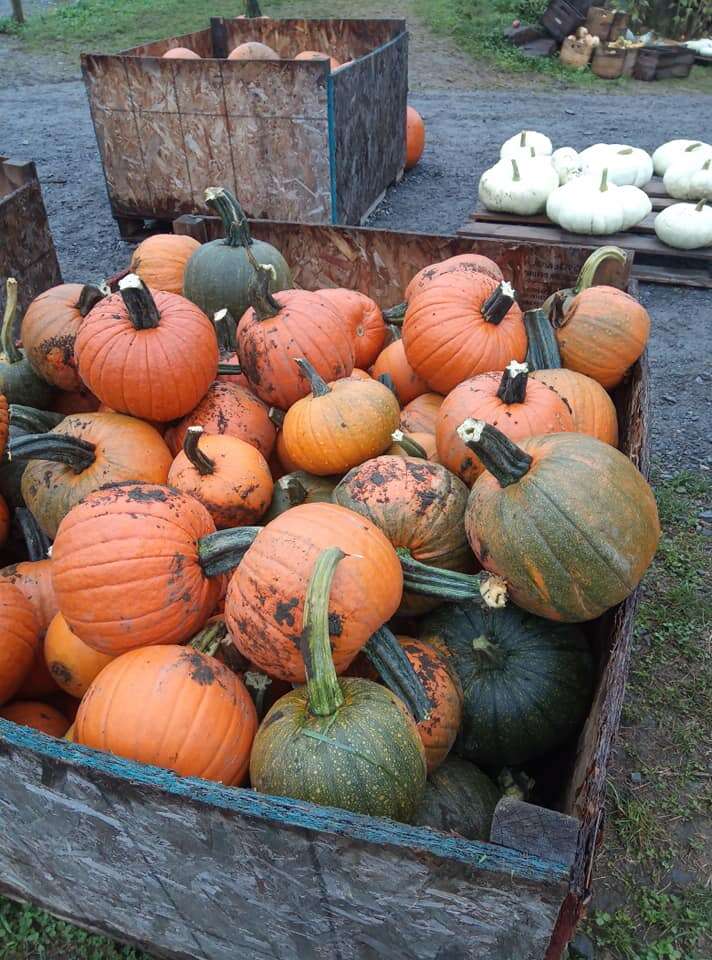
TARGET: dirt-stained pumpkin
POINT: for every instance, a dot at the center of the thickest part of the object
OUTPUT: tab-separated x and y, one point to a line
72	664
20	635
364	319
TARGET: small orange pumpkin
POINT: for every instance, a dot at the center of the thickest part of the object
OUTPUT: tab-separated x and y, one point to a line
40	716
421	414
414	137
253	50
318	55
19	639
180	53
364	318
72	664
393	362
160	260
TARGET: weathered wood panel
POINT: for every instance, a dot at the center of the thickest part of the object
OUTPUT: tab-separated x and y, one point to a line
26	246
342	39
199	41
370	98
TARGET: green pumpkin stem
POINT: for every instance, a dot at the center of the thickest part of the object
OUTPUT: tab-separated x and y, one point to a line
319	387
604	180
229	369
88	298
234	221
225	329
191	448
387	380
36	540
323	690
489	651
388	657
252	9
210	638
32	420
222	551
276	415
587	273
542	345
515	171
394	332
499	302
504	459
9	348
394	315
72	451
701	205
294	490
449	585
513	385
257	684
409	445
259	294
140	305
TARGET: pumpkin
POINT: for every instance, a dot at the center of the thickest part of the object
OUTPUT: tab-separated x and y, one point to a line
49	329
219	273
174	707
227	408
524	142
690	179
568	520
527	683
421	414
317	55
393	362
38	682
277	330
566	162
75	401
346	742
40	716
414	137
520	186
20	634
126	569
299	487
151	356
4	521
510	401
340	425
289	465
461	325
227	475
667	153
265	597
420	445
627	166
593	205
179	53
459	798
685	226
18	381
160	260
602	333
72	664
463	263
82	454
229	369
252	50
586	278
364	319
23	420
33	577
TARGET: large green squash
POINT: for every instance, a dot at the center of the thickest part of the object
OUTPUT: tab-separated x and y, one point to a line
18	381
527	682
344	742
459	798
218	275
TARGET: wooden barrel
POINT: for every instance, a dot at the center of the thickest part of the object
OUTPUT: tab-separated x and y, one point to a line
630	60
674	60
646	64
561	18
608	62
599	22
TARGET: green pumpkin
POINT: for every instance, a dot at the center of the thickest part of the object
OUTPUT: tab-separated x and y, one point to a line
218	274
527	682
459	798
299	487
343	742
18	381
23	421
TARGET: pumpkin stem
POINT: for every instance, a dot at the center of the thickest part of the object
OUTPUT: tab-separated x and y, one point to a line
449	585
496	306
258	292
7	339
411	446
293	488
234	221
693	146
88	298
276	415
523	139
142	310
323	690
57	447
513	385
252	9
394	332
319	387
209	639
225	328
387	380
489	650
394	315
202	463
397	672
701	205
604	180
515	171
504	459
36	540
30	420
587	273
542	347
222	551
257	684
229	369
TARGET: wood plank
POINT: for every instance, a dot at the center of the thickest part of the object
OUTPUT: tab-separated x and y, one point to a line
656	188
482	215
535	830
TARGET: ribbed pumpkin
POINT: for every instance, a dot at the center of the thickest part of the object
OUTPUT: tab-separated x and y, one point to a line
83	453
364	319
414	137
286	462
296	488
126	570
151	356
49	329
173	707
509	401
218	274
392	362
72	664
421	414
19	639
340	425
39	716
527	683
346	742
161	260
18	381
463	264
567	520
459	798
265	598
227	475
459	325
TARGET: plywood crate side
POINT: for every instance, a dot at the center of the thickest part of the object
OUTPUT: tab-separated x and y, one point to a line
342	39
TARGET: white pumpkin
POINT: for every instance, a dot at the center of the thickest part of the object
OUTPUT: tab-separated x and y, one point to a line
690	178
636	205
686	226
567	164
518	185
526	140
670	151
626	165
591	205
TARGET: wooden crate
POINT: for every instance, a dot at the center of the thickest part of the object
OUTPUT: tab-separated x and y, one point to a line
291	139
187	868
26	246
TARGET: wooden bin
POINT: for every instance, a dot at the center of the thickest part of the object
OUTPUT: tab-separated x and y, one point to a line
26	246
561	18
608	62
293	140
191	869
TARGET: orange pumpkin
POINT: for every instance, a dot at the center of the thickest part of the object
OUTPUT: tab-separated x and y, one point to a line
4	521
19	639
421	414
34	580
509	401
461	325
414	137
285	461
173	707
463	264
364	318
228	476
318	55
393	362
49	329
252	50
40	716
38	682
160	260
72	664
592	409
179	53
151	357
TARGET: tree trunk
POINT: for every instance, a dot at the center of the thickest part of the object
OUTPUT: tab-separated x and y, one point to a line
17	11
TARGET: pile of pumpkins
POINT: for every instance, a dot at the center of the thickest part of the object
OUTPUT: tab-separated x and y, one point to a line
296	546
599	191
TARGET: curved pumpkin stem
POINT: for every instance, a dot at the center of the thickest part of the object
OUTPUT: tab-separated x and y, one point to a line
294	490
394	332
72	451
276	415
323	690
259	294
36	540
397	672
587	273
234	221
223	550
257	684
319	387
210	638
449	585
542	345
513	385
504	459
88	298
225	328
202	463
395	315
31	420
411	446
7	339
499	302
142	310
699	207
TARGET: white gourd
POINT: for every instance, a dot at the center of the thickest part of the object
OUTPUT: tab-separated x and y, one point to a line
626	165
686	226
567	164
525	140
587	205
519	185
690	178
668	152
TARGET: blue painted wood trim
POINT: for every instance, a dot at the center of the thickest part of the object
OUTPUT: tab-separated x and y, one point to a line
285	812
331	132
